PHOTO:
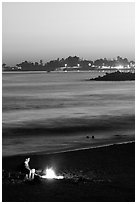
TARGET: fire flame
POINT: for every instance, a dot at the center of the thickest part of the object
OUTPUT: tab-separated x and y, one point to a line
50	174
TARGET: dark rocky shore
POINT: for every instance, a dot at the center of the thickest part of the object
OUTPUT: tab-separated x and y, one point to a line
116	76
95	175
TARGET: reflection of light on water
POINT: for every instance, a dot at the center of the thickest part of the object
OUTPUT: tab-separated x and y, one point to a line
50	174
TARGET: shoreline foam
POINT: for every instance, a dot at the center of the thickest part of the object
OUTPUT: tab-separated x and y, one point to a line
94	146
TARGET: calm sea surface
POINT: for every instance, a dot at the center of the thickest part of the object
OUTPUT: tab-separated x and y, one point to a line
48	112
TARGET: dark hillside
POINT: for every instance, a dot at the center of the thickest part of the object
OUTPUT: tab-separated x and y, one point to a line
116	76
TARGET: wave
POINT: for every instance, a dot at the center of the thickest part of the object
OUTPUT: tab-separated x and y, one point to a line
70	126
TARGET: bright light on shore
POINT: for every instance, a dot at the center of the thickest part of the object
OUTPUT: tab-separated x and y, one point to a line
50	174
119	67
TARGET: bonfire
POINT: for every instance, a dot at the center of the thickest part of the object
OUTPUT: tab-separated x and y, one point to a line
50	174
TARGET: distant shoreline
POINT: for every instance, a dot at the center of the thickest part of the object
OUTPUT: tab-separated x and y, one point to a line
80	71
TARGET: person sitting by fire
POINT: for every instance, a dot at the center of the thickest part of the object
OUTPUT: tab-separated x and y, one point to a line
27	170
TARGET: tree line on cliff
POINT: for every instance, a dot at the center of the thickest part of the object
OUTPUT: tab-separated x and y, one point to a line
69	62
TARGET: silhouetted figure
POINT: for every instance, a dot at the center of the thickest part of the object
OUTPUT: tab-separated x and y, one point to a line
87	137
29	173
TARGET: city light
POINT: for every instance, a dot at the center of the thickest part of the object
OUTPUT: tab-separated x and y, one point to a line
119	67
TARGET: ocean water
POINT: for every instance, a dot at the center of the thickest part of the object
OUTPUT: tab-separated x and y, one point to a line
51	112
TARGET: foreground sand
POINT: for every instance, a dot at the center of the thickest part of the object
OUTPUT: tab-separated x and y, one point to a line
101	174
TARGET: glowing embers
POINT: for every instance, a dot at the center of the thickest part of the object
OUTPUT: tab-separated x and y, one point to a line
50	174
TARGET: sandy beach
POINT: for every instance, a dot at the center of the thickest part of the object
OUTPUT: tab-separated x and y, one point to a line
97	174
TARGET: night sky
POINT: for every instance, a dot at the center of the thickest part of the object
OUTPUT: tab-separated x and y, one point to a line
34	31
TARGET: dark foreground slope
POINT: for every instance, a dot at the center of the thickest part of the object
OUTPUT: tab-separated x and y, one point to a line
101	174
116	76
